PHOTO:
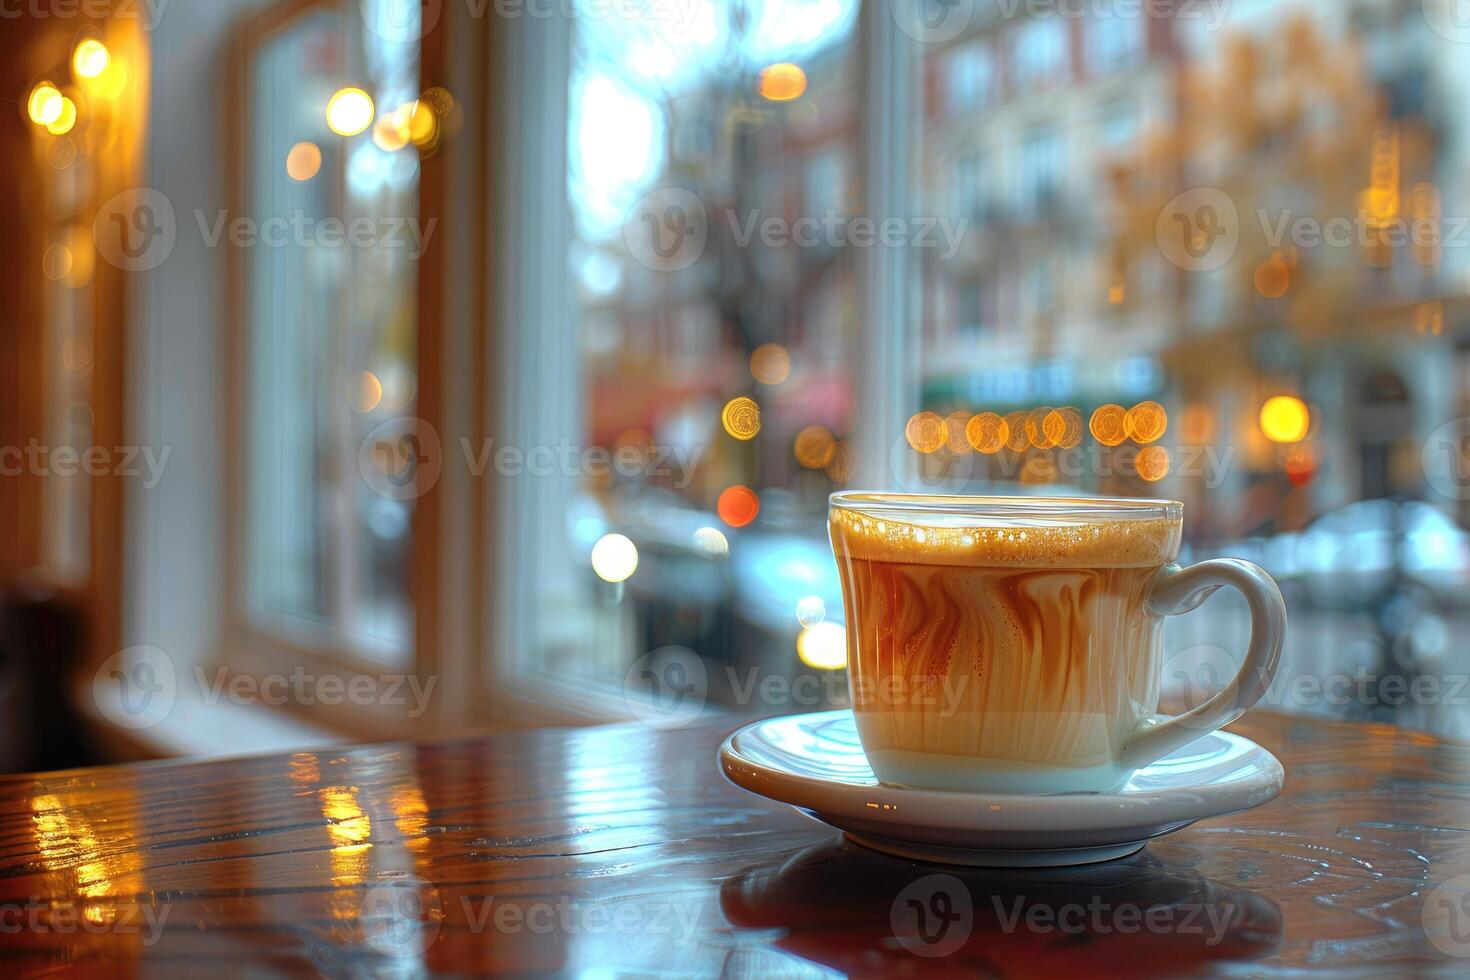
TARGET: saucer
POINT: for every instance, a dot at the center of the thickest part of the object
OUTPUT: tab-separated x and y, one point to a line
815	763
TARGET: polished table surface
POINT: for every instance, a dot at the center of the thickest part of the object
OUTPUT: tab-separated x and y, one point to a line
620	851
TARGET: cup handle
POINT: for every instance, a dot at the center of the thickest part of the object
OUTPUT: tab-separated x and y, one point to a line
1178	590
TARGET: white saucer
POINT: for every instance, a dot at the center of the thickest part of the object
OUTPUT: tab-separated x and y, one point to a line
815	763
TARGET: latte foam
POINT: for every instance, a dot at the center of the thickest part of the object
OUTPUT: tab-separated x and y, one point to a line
1004	541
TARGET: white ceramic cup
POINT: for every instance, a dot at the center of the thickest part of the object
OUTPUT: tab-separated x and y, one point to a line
1014	644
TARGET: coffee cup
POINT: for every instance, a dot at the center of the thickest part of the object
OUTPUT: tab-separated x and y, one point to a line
1014	644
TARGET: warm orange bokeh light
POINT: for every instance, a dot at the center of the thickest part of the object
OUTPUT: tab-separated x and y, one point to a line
393	129
782	82
954	433
1285	418
1038	469
815	447
1198	425
987	433
738	506
1273	277
90	58
303	161
770	364
741	418
1107	425
1072	436
926	432
367	392
45	104
1146	422
1152	463
1016	431
63	123
844	463
1036	433
1300	465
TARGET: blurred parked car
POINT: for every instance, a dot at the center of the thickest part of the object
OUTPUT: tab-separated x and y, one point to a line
1367	550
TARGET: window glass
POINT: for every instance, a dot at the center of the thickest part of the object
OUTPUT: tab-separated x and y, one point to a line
331	335
969	73
711	181
1038	52
1260	282
1114	40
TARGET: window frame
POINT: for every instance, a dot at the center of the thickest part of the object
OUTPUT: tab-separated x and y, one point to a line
241	647
471	618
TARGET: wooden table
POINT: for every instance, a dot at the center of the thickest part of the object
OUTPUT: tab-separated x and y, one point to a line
622	850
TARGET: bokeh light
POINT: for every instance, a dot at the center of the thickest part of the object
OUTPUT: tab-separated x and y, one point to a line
987	433
770	364
423	123
349	111
393	130
1016	432
741	418
810	610
1067	424
303	161
1108	425
64	122
1152	463
738	506
56	263
614	558
926	432
823	646
1273	277
1039	469
1285	418
367	392
815	447
712	541
45	104
844	462
111	83
782	82
1300	465
1036	432
90	58
1146	422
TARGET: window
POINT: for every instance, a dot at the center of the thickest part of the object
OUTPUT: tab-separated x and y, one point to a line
1119	124
1042	158
969	72
1038	54
710	289
690	295
1115	42
328	258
